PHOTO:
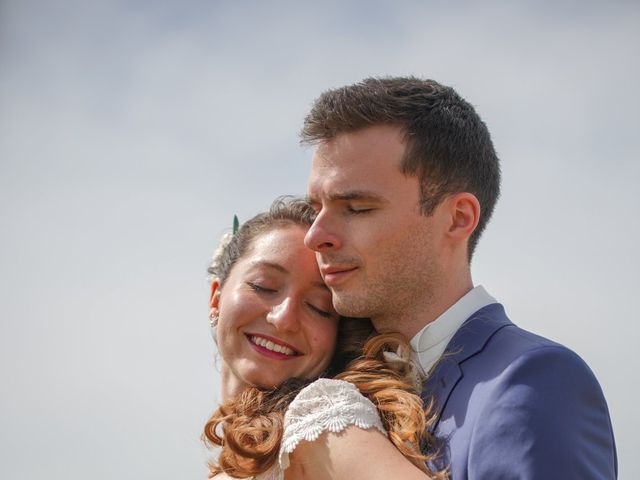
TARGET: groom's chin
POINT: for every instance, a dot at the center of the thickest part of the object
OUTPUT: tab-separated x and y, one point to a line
349	305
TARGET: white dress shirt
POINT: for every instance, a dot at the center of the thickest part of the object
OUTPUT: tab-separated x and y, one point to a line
430	342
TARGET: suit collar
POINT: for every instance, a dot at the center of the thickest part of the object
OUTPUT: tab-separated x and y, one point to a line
470	339
431	342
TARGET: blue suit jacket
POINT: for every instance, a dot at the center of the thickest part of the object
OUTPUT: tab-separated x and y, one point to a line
513	405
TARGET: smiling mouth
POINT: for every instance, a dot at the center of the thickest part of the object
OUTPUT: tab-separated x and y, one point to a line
262	344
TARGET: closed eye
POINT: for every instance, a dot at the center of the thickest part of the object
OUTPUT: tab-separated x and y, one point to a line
260	289
319	311
358	211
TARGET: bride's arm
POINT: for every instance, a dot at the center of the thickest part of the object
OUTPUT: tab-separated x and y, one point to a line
352	454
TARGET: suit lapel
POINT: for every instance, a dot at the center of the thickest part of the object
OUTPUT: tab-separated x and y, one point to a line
470	339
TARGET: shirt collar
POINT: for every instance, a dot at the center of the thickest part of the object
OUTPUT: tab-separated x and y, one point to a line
430	342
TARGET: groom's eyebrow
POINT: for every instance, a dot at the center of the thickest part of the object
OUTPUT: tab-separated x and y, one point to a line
350	195
358	195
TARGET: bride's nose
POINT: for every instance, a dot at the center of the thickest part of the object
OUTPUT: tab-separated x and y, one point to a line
284	315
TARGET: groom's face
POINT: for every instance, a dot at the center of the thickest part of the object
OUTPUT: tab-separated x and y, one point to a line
376	251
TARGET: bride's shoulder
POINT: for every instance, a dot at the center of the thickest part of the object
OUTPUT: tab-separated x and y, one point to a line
326	405
328	387
331	431
328	396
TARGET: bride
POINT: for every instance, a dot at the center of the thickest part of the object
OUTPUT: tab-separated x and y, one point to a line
306	394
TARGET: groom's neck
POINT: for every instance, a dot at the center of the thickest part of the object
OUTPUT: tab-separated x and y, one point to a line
408	318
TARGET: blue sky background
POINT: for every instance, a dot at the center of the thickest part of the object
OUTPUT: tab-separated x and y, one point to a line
131	132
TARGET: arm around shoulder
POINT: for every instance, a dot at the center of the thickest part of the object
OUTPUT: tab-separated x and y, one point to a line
545	416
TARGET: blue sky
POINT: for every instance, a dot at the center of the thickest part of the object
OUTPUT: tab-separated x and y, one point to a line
131	132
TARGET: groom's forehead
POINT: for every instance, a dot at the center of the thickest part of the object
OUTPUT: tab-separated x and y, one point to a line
352	174
335	184
338	183
370	146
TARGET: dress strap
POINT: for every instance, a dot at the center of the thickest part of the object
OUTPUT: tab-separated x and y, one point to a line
326	405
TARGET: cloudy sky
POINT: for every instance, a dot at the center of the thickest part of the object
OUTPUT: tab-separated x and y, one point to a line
132	131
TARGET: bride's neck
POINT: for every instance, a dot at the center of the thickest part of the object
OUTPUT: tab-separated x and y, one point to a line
232	386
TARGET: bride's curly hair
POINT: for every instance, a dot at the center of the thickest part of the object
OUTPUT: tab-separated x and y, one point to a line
248	429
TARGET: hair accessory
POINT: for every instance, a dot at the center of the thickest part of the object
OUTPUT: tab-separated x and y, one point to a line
224	241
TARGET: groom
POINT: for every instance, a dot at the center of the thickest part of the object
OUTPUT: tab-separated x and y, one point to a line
404	179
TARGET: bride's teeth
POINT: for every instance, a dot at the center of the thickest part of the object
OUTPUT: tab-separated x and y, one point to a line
269	345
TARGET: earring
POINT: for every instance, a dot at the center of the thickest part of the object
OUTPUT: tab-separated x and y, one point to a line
213	321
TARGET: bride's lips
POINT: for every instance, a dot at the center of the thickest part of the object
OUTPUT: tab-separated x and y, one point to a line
333	275
271	347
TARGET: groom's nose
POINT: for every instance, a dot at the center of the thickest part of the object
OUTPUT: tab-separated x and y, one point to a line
321	235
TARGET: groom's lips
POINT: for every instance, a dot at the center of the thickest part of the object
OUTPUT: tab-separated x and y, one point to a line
334	275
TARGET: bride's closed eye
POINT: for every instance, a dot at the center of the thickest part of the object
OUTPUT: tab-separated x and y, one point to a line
260	288
319	311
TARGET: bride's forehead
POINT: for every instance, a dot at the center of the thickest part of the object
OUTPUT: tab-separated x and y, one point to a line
282	251
283	241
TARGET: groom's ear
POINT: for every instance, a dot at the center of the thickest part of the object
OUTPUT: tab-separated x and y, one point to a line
464	214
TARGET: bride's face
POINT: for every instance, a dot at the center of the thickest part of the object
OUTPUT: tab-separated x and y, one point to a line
276	319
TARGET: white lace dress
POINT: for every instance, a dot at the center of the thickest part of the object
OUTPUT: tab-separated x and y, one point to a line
326	405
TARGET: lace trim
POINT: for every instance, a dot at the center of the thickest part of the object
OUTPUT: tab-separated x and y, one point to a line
325	405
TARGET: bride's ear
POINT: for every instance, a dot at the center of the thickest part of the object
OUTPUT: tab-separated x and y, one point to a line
214	312
214	299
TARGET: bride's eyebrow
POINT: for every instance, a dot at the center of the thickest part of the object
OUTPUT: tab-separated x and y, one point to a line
267	264
280	268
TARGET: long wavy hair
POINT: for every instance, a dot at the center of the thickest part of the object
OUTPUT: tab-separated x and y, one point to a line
248	429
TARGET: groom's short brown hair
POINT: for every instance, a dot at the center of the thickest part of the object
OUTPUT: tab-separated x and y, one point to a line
448	146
